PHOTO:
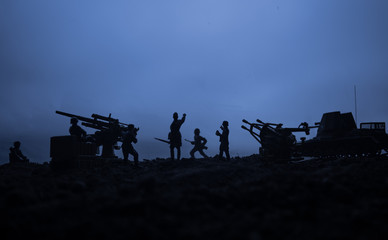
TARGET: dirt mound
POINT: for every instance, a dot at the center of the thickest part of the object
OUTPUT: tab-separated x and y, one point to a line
245	198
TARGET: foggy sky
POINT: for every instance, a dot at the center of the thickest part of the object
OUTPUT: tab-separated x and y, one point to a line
276	60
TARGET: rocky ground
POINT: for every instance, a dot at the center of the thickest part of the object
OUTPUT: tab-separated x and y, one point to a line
245	198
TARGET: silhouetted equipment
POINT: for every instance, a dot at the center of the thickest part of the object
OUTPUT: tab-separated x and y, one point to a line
97	121
193	142
337	136
275	140
109	132
69	152
162	140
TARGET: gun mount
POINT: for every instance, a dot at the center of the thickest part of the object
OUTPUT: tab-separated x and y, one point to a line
337	136
97	121
275	140
109	132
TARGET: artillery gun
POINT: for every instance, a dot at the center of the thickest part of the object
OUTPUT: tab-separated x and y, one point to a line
338	136
69	151
275	140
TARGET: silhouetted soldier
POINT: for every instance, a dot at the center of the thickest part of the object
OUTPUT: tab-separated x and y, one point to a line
224	139
16	155
76	130
129	137
199	144
175	136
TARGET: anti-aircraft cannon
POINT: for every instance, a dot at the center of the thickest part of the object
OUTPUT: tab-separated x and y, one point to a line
71	150
337	136
275	140
109	130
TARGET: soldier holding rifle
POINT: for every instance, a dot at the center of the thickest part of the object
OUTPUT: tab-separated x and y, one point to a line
129	137
199	144
224	140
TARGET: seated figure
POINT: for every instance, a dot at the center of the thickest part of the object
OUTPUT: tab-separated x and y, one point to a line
16	155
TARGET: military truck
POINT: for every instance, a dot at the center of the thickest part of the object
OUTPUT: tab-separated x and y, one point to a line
338	136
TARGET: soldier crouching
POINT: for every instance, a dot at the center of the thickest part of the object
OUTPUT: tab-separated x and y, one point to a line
199	144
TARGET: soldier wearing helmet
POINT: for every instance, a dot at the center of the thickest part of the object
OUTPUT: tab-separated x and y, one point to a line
199	144
224	140
175	136
16	155
76	130
129	137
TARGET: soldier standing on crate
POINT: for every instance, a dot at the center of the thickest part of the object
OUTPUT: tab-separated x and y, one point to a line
76	130
175	136
129	137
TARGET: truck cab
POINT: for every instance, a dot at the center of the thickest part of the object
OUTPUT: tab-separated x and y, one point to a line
373	126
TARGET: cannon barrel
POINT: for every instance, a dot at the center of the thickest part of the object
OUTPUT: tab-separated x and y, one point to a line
269	124
109	119
245	121
97	122
259	121
90	125
92	122
84	119
252	125
255	135
243	127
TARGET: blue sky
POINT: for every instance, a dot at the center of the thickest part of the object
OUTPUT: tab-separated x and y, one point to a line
277	60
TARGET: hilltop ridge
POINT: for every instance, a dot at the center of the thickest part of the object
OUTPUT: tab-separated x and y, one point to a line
245	198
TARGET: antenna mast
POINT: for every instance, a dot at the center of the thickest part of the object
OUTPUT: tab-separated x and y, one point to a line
355	103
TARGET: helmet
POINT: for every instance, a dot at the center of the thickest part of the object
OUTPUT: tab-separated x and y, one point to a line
196	131
73	120
16	144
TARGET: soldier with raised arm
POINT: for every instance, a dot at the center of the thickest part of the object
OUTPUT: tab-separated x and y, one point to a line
224	140
175	136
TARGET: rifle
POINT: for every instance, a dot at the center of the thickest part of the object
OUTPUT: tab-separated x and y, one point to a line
162	140
192	142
